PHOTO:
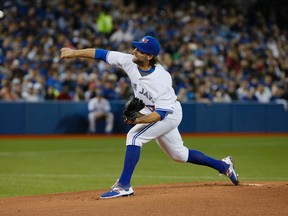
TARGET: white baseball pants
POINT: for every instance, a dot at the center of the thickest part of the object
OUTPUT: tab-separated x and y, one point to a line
166	134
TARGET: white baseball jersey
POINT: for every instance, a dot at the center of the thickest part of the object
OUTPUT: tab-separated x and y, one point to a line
157	93
155	89
102	105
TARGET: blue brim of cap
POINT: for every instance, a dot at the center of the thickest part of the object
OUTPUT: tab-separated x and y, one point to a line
140	47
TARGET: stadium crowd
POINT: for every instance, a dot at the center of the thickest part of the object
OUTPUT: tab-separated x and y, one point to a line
215	52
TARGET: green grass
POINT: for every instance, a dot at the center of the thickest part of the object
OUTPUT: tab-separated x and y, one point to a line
46	166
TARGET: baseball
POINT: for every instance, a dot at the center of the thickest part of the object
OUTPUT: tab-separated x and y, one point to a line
1	14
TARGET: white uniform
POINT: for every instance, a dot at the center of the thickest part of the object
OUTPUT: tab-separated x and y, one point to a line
97	109
157	93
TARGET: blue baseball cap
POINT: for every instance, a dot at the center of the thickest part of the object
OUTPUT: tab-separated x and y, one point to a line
148	44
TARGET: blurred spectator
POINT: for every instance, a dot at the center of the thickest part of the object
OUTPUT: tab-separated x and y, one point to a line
7	93
121	35
279	95
182	95
203	94
263	94
32	93
232	90
17	87
51	93
210	42
65	94
53	80
220	96
105	20
99	108
109	88
79	94
91	92
124	89
250	97
244	90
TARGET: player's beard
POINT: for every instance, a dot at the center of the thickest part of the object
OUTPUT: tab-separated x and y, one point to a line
138	61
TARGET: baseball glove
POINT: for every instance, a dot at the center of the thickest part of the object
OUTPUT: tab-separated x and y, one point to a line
132	107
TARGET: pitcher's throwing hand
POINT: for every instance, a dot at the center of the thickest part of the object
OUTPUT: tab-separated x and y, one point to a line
66	53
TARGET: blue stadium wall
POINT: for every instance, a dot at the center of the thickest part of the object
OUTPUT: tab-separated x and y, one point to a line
71	118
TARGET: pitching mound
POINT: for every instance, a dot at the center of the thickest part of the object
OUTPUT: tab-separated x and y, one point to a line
249	198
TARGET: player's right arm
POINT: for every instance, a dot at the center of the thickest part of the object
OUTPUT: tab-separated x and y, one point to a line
117	59
67	53
91	53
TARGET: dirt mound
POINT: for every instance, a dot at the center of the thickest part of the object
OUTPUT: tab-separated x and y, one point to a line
249	198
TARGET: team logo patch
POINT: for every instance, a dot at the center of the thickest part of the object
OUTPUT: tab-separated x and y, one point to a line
145	40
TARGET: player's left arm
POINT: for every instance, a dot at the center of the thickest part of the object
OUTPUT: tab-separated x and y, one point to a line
146	119
155	116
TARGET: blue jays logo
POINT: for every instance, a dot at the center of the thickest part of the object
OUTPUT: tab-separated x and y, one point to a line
146	94
145	40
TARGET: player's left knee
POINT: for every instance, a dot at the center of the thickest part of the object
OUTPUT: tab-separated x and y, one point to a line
179	158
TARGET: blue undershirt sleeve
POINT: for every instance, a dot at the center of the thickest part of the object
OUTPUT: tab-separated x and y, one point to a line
101	54
161	113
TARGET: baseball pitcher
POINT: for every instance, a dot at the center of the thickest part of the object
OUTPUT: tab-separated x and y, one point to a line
157	119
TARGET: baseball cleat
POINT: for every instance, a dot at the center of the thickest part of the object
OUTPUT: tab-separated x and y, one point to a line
231	171
118	190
